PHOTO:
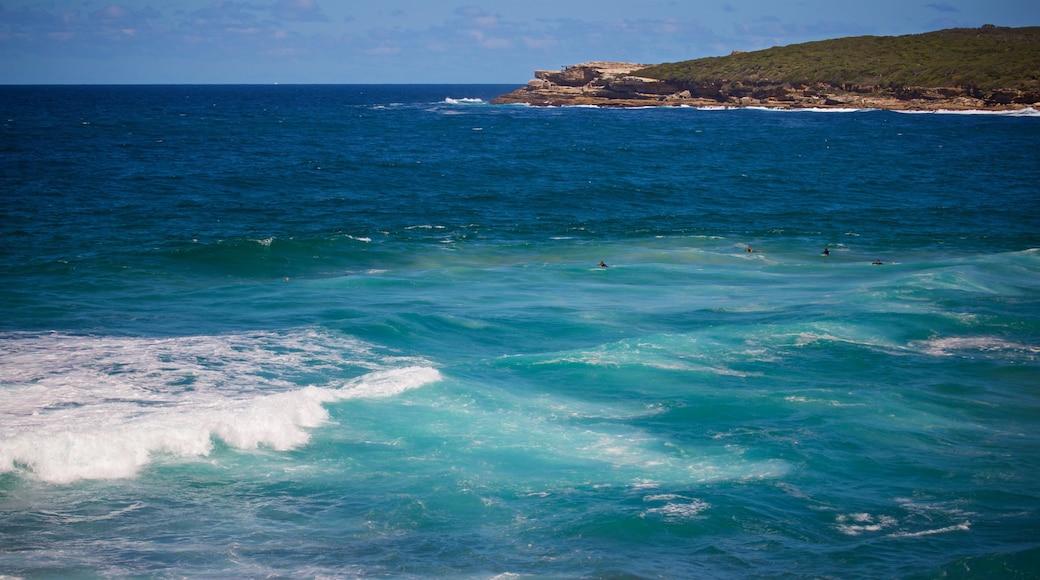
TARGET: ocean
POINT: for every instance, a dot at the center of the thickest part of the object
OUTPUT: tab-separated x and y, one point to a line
364	332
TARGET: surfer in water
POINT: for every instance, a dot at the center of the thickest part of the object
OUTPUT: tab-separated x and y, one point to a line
602	264
826	251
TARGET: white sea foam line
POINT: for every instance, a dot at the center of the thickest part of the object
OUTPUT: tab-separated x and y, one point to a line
807	337
954	528
952	345
86	407
1024	112
463	100
810	109
679	511
831	402
948	509
858	523
664	497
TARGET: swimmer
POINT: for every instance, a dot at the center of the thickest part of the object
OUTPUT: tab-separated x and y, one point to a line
750	249
826	251
878	262
602	264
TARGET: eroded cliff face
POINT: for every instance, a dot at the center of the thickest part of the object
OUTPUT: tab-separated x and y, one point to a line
592	83
611	84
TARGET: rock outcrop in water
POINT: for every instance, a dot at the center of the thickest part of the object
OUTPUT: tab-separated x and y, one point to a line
954	69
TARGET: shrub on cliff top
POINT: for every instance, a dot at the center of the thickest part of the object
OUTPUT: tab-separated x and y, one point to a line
990	57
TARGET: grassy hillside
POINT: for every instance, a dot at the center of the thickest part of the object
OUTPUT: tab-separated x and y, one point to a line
985	58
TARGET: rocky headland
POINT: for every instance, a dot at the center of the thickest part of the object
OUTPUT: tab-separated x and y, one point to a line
782	77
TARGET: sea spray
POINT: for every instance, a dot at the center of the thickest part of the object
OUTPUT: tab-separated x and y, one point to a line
73	421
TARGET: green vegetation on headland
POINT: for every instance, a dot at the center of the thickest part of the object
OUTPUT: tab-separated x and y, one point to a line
987	58
987	67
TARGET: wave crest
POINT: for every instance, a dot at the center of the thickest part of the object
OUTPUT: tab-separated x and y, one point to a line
102	412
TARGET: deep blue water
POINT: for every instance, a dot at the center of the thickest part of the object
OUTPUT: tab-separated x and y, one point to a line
361	331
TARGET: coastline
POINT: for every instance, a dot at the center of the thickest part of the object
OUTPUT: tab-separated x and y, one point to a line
610	85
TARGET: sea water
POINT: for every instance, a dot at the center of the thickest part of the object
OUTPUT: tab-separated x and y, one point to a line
363	331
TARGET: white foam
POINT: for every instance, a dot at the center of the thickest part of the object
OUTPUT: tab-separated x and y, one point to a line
954	528
76	408
858	523
464	101
989	345
1024	112
830	402
676	512
810	109
663	497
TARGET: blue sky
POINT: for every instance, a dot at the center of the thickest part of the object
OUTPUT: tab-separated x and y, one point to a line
427	41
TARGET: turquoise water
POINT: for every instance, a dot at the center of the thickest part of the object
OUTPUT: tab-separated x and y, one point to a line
362	331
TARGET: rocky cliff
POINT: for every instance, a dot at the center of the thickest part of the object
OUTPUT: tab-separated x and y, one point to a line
989	67
612	84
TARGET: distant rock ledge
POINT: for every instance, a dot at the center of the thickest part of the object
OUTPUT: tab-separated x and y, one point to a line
611	84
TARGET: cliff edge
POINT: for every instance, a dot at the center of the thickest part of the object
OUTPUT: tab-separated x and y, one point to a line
988	68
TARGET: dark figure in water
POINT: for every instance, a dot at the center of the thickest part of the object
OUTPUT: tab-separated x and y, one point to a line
826	251
602	265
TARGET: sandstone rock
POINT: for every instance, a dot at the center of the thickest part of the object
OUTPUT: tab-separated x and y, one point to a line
611	84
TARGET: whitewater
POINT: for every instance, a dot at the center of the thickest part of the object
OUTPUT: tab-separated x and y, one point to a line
399	332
